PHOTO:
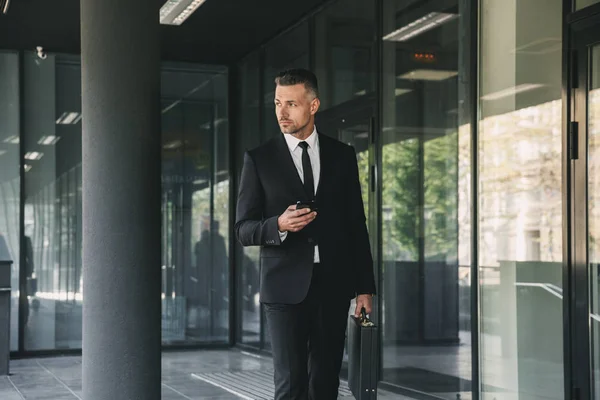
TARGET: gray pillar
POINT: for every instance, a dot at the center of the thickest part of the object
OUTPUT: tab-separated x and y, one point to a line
120	51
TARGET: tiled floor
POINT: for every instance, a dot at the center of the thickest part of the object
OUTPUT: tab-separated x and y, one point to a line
60	378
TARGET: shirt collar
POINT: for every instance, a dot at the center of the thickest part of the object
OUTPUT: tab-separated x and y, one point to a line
293	142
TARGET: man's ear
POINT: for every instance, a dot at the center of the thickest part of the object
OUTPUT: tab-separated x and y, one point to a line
314	106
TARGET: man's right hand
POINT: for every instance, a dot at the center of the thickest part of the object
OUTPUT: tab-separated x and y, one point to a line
293	220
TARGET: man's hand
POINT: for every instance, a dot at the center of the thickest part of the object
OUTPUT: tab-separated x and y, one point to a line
293	220
363	300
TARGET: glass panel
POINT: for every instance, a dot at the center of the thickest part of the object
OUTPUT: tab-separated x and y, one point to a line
195	204
425	166
520	202
594	213
249	259
287	51
10	182
579	4
345	52
52	141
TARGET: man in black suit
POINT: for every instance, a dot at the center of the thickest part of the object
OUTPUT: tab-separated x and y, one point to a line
313	260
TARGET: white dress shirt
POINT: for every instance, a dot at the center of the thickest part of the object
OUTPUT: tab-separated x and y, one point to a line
315	162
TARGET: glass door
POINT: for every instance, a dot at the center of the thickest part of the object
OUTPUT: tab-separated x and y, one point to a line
593	183
584	158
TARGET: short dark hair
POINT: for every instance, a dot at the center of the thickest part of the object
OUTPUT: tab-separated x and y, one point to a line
297	76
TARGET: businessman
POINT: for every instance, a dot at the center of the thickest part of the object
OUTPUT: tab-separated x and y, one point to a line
315	259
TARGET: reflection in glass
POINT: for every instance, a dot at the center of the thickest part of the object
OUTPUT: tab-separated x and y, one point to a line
345	51
195	202
248	257
520	206
425	166
594	213
10	182
195	205
52	141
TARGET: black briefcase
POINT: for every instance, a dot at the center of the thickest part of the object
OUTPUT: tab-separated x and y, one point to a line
363	361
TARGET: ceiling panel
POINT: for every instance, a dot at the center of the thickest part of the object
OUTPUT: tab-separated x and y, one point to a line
219	32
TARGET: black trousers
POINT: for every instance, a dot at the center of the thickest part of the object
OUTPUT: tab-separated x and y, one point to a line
307	342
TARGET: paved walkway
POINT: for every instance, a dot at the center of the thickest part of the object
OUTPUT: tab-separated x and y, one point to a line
207	374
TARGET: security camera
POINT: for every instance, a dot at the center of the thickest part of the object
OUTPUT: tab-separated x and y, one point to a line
41	53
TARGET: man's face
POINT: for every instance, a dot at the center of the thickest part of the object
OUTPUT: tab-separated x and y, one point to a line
295	108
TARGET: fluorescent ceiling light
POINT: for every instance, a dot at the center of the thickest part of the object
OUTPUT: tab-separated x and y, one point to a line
34	155
68	118
12	140
4	6
2	152
400	92
428	75
511	91
175	12
173	145
48	140
27	167
540	47
422	25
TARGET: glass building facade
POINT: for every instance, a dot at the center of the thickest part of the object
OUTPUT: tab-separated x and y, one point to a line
474	126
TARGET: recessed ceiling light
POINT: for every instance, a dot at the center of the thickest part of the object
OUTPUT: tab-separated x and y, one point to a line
12	139
68	118
48	140
400	91
175	12
421	25
428	75
34	155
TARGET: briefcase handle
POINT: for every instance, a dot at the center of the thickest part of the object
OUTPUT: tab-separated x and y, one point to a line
364	320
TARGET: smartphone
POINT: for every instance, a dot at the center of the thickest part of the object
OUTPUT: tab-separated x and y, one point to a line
306	204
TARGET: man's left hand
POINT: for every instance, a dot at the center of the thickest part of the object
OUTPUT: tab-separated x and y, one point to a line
363	300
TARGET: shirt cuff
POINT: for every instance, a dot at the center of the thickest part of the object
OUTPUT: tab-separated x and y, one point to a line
282	235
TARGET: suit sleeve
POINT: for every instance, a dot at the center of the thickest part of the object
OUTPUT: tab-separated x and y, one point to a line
365	276
251	229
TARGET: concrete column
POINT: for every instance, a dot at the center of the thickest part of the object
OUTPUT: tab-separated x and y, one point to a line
120	51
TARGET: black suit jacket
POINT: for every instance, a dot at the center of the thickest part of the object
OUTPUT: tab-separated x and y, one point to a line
269	184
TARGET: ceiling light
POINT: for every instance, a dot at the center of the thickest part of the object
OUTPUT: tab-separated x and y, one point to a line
2	152
175	12
68	118
12	140
48	140
173	145
540	47
424	24
428	75
34	155
4	6
400	92
511	91
27	167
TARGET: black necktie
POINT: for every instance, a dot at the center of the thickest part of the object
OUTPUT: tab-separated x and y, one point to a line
309	181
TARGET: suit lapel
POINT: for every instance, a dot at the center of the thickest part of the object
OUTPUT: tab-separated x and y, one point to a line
288	168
